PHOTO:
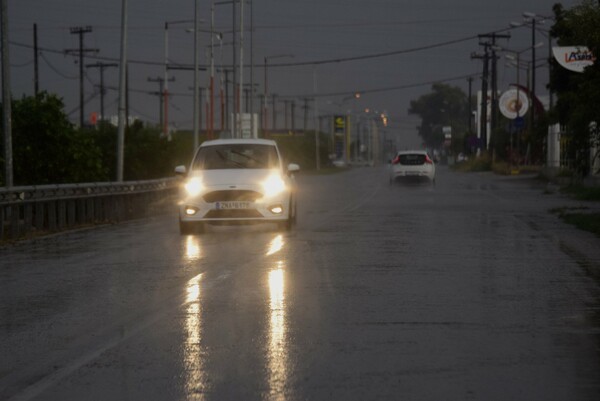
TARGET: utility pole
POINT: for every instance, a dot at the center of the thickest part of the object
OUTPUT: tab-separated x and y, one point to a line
494	101
241	71
293	116
274	103
77	30
6	99
285	114
161	97
102	67
484	90
36	77
306	107
200	106
123	82
470	80
234	63
196	101
247	92
227	71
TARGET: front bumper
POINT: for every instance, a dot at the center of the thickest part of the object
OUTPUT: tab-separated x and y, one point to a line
222	205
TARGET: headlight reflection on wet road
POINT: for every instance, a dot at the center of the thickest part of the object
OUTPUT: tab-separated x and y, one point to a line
277	352
275	245
192	248
193	358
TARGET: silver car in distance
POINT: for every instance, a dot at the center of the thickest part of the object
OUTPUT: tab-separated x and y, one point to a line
412	164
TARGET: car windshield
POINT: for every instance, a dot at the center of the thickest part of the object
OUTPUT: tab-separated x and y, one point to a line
236	156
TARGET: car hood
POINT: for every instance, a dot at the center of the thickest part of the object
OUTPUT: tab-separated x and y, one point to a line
233	176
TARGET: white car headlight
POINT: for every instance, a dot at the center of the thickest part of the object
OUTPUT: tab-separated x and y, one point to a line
194	186
273	185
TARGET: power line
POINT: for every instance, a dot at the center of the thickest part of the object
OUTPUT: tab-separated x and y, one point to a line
25	64
385	89
56	70
86	101
359	24
296	64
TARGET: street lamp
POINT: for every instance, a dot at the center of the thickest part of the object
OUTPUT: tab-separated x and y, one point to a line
532	19
266	91
196	101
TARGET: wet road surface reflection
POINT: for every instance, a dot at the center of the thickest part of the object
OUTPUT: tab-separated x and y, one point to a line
192	248
277	352
275	245
193	355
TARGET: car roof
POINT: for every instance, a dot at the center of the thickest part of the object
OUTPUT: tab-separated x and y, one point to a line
217	142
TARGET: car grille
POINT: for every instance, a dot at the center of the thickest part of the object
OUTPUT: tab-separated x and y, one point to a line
233	195
232	214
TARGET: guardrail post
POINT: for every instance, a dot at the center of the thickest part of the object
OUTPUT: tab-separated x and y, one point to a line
90	210
80	211
39	216
1	222
51	215
70	205
14	221
27	218
62	214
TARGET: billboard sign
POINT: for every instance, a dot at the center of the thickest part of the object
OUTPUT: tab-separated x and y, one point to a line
574	58
339	124
513	103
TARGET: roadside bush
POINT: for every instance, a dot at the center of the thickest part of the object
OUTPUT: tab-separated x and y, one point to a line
47	149
475	164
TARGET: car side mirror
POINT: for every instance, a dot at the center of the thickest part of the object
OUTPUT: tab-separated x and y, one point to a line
180	170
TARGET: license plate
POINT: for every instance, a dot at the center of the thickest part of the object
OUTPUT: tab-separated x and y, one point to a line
229	205
412	173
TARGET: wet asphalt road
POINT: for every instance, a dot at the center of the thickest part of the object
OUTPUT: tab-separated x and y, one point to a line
468	290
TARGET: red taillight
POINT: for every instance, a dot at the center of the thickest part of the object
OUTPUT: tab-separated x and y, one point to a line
428	160
396	160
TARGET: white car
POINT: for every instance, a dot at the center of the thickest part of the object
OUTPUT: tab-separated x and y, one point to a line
237	181
412	164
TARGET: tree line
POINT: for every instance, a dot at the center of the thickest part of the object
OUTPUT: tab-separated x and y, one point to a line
49	149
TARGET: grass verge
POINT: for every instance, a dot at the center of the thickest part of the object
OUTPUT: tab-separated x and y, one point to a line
588	221
583	193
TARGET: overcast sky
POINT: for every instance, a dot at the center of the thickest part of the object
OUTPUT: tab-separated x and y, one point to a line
323	31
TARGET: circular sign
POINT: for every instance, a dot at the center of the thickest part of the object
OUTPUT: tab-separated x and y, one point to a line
513	103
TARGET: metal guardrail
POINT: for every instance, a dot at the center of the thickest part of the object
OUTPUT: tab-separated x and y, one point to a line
43	209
